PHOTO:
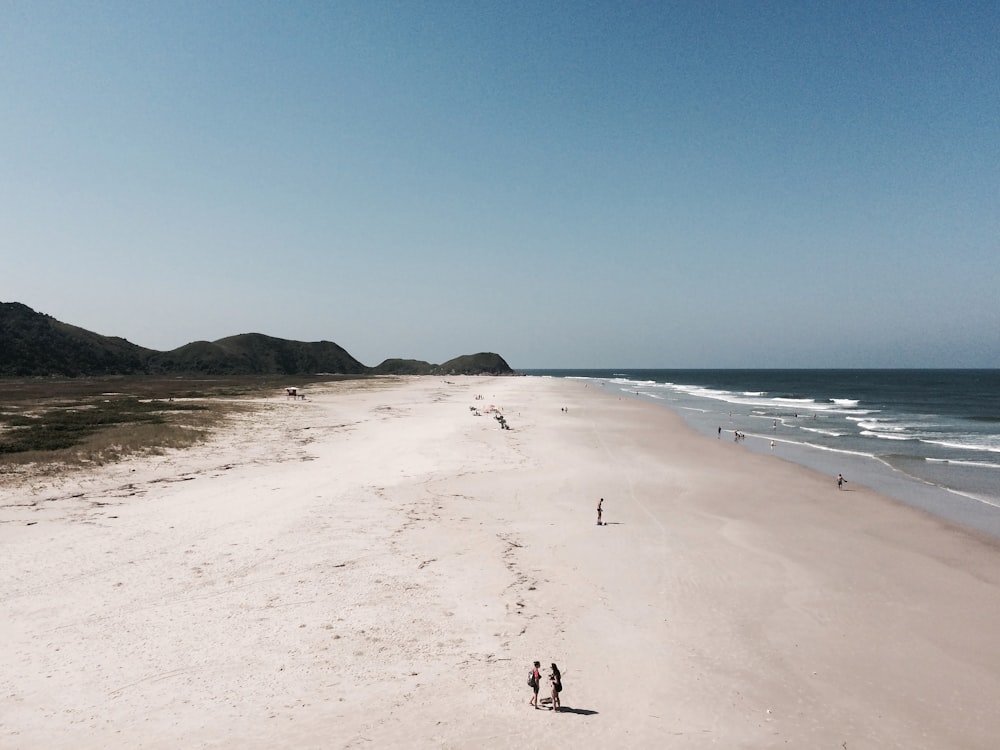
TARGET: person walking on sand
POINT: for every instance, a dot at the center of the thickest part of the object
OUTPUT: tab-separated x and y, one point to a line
840	481
600	511
534	680
555	681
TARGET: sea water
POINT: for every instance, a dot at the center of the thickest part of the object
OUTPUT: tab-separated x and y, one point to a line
930	438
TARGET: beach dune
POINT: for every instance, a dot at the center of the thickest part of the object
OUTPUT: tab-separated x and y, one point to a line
378	566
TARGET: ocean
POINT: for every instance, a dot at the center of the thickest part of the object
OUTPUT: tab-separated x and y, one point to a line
928	438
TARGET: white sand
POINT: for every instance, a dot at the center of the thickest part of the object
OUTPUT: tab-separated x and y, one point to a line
376	567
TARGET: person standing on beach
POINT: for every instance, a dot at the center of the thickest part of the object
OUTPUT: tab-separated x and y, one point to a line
555	681
534	680
840	481
600	503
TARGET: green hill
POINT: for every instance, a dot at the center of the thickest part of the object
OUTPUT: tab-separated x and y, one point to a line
34	344
403	367
257	354
484	363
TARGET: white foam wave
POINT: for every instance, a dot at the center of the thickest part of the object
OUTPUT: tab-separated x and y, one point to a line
755	398
883	436
831	433
634	383
842	451
958	462
952	490
879	426
989	448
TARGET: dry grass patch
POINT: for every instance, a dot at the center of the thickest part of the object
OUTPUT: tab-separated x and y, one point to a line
95	421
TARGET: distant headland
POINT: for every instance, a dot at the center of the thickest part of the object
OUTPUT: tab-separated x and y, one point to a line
35	344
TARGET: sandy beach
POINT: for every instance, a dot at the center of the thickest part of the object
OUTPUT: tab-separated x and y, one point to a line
376	566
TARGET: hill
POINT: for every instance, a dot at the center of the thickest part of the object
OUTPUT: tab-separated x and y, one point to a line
484	363
403	367
257	354
35	344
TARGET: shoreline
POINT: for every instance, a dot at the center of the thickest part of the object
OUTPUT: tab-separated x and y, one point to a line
379	567
965	509
972	513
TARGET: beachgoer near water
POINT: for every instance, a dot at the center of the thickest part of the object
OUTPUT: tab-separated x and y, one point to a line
600	503
840	481
555	681
534	681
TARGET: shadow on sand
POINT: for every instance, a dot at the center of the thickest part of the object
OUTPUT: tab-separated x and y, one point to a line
547	702
580	711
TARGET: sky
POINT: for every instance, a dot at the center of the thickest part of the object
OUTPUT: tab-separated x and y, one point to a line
568	184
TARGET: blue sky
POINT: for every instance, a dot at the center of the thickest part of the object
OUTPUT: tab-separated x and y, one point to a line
586	184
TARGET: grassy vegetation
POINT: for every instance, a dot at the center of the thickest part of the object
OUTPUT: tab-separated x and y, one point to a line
67	425
79	421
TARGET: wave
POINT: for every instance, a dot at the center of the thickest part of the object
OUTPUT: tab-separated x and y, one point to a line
760	399
842	451
830	433
952	490
964	446
958	462
882	436
873	426
634	383
880	425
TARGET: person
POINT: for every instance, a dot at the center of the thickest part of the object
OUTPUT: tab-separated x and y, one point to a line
840	481
534	680
555	681
600	503
720	432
